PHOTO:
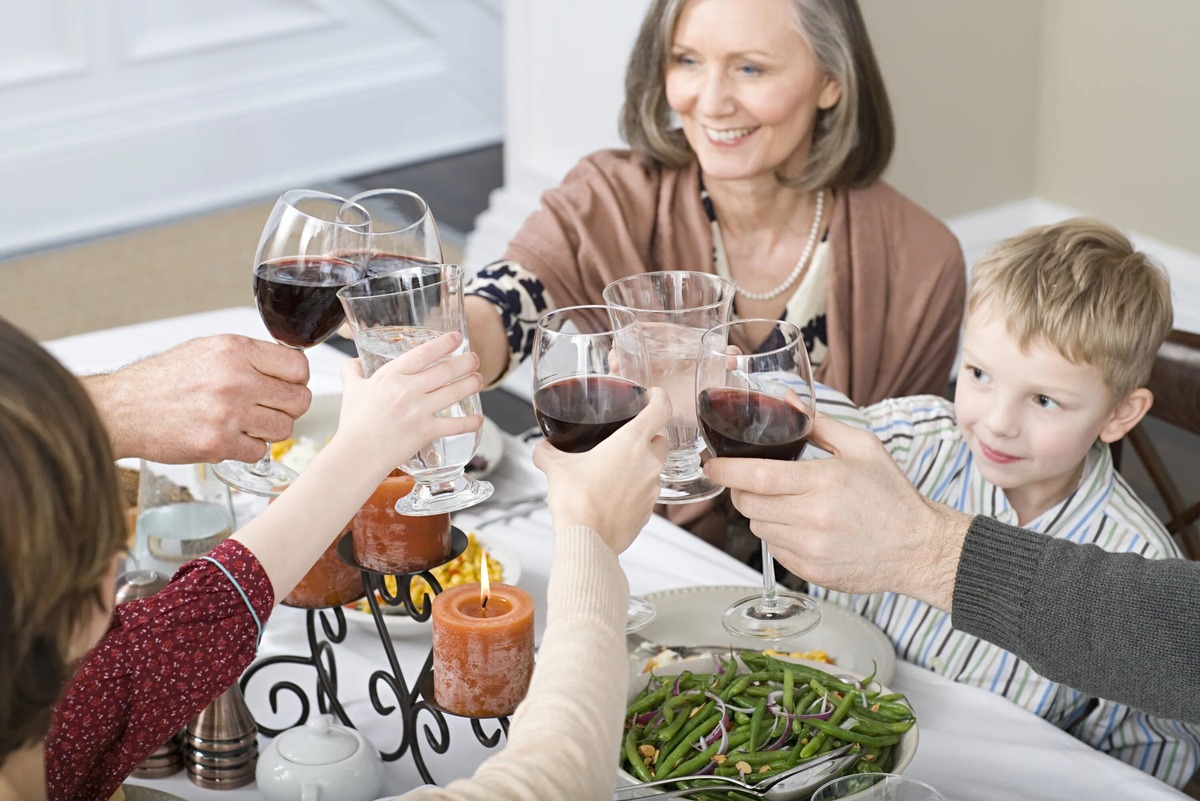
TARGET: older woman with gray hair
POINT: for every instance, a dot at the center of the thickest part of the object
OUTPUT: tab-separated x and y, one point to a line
759	130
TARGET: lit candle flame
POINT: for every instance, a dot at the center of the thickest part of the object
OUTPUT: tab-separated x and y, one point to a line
485	585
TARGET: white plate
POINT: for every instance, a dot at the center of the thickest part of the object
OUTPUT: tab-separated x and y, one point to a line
401	625
320	422
905	749
692	616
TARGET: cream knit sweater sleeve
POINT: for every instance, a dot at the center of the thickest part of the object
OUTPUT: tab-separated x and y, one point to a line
565	737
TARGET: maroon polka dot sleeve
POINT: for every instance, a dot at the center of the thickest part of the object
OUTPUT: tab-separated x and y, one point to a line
160	663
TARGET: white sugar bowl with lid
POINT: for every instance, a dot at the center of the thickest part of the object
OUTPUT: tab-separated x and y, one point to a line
320	761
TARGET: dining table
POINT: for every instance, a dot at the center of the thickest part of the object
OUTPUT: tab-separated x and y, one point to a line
973	745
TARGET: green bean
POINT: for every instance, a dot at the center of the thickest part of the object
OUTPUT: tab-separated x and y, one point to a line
677	748
875	727
649	701
636	766
756	724
671	729
831	729
789	688
690	766
839	713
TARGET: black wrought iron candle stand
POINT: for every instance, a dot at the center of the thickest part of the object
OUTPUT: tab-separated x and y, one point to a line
410	699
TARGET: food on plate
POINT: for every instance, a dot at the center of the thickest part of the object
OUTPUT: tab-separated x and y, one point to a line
463	569
119	795
756	715
296	452
811	656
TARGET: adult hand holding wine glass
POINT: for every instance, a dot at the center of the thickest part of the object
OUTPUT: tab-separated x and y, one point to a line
590	377
759	405
306	254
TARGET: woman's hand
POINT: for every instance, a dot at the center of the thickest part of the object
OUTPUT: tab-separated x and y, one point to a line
391	415
613	487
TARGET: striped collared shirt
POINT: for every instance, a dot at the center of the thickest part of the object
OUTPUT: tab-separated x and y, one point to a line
922	435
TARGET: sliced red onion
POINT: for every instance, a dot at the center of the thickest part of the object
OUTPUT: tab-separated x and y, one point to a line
675	687
646	717
725	705
783	738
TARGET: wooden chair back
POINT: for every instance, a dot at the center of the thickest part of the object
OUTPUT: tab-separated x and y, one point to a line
1175	382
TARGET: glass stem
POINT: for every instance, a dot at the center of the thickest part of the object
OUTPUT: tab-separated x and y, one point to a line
263	466
770	599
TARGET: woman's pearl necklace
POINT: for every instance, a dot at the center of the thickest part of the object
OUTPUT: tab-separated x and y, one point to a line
808	249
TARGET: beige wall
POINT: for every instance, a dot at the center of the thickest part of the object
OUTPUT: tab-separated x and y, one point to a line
1089	104
963	80
1119	114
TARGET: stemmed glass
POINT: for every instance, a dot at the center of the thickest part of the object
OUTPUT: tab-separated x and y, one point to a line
877	787
675	308
403	232
391	314
759	405
590	377
311	246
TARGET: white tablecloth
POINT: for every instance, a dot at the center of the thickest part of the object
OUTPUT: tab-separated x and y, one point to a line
973	744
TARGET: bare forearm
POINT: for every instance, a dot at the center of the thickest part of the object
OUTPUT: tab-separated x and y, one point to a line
485	329
118	411
292	533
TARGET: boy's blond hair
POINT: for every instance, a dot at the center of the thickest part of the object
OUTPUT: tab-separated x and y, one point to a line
1080	286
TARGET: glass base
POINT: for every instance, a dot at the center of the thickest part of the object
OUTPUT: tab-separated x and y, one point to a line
249	477
461	493
641	614
690	490
787	615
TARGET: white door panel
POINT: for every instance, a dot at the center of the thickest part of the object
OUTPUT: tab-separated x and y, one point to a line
115	113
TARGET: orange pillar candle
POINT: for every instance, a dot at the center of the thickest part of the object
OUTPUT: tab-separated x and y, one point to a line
388	542
482	653
329	582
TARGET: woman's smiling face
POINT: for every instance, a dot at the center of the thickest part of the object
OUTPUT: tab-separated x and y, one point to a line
746	87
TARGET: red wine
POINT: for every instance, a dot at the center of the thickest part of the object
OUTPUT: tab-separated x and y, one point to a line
297	298
577	414
745	423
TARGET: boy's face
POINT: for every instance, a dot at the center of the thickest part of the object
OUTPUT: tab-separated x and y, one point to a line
1028	417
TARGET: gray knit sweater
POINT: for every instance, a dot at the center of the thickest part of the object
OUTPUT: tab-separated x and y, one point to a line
1116	626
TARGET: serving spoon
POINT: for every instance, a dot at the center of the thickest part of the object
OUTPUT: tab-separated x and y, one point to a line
793	784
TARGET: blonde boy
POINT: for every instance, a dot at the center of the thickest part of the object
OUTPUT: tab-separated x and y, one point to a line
1062	326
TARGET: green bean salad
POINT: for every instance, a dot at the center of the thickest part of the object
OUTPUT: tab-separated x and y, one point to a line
755	716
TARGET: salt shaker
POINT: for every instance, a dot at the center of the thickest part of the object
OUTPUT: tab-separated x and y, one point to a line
220	745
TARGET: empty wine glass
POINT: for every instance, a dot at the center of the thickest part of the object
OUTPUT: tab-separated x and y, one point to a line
403	232
759	405
675	308
590	377
311	246
390	314
876	787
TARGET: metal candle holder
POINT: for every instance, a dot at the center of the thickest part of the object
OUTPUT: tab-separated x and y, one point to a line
410	700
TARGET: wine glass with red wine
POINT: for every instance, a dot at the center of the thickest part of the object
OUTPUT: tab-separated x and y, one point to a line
403	232
312	245
590	377
754	399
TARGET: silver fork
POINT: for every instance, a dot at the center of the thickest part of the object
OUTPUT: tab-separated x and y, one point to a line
789	785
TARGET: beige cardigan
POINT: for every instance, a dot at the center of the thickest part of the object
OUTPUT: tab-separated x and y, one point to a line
896	286
565	738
